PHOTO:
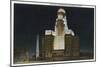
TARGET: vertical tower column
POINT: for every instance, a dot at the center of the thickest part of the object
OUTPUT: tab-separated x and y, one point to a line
59	30
37	46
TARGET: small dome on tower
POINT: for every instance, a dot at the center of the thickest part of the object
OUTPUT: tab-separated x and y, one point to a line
61	10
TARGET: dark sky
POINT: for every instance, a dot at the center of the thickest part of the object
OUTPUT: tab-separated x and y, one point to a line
30	20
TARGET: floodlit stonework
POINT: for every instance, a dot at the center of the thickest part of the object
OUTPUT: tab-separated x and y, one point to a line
60	44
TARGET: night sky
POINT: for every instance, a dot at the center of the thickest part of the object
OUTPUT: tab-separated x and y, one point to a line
30	20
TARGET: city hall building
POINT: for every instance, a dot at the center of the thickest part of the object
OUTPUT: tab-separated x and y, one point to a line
61	43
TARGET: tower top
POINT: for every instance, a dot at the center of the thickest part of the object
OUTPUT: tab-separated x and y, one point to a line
61	10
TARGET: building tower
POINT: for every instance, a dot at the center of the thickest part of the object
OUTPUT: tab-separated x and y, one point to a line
61	43
59	30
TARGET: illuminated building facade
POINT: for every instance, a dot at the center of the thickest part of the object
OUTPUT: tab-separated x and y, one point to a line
61	43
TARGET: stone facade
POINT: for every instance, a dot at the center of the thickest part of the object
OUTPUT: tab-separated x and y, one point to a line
71	51
47	46
60	44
